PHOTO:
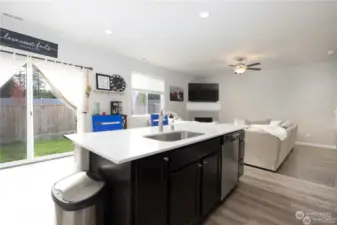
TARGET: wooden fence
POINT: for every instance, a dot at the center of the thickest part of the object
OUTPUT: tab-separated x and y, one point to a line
49	120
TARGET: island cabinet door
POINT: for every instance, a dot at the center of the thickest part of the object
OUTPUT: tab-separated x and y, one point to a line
210	187
150	190
184	195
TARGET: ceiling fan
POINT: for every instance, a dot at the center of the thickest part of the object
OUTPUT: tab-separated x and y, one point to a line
241	67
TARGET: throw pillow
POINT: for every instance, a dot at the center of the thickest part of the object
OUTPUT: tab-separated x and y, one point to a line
276	122
287	124
239	122
258	122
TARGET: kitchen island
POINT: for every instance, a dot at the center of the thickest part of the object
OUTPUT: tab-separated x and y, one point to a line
165	178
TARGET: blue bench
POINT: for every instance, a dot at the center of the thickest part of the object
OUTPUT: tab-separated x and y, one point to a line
108	122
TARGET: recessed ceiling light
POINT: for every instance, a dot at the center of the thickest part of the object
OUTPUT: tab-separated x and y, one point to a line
108	32
331	52
204	15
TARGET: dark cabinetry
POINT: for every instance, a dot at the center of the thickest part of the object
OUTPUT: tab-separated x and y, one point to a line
184	196
179	187
150	190
194	190
193	153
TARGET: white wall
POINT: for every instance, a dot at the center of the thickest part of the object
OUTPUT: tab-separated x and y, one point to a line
107	63
304	94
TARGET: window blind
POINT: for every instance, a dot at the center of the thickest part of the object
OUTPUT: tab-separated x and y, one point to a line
147	83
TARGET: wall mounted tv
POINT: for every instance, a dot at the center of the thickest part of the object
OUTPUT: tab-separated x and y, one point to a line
198	92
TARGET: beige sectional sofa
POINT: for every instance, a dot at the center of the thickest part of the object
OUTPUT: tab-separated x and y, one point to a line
267	151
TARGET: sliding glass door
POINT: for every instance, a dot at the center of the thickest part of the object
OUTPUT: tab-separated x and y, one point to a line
13	118
33	120
52	119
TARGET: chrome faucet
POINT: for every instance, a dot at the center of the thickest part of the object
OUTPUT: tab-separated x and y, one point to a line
162	115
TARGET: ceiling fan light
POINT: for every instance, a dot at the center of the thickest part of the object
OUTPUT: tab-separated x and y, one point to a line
240	69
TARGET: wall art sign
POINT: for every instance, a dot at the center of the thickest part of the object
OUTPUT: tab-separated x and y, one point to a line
27	43
103	82
176	94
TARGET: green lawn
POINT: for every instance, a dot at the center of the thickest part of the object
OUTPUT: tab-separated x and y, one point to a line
17	151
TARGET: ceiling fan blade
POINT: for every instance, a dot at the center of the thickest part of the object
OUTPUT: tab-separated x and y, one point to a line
253	64
257	69
232	65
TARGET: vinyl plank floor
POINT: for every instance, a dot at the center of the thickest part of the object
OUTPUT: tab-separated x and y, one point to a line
267	198
313	164
261	198
25	192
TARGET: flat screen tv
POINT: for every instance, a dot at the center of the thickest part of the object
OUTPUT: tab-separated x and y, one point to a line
198	92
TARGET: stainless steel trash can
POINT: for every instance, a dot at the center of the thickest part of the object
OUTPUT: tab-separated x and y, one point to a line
78	199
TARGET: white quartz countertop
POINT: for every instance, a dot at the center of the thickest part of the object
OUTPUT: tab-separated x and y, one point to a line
122	146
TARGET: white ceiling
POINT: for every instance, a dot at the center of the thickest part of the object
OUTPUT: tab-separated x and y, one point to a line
170	34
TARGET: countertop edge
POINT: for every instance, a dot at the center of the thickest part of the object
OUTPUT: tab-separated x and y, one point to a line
199	139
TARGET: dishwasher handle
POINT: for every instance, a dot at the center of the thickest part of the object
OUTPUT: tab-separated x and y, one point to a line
234	137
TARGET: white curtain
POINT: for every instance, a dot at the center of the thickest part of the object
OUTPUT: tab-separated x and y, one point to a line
67	81
9	65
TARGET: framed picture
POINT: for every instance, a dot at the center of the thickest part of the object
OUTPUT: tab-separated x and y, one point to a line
102	82
176	94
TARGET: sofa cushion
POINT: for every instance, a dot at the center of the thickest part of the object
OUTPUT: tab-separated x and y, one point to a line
287	124
259	122
276	122
239	122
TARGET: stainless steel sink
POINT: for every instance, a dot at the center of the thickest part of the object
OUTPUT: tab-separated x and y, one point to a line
174	136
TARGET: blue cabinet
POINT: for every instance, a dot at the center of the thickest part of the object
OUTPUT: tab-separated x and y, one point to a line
108	122
154	118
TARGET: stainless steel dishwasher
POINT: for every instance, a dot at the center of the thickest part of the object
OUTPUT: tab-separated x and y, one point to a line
230	164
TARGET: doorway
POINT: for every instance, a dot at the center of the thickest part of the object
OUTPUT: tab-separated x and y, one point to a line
33	119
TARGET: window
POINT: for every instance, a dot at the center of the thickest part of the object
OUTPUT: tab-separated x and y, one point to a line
139	103
146	102
153	103
147	94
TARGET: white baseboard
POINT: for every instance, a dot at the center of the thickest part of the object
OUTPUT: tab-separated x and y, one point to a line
35	160
332	147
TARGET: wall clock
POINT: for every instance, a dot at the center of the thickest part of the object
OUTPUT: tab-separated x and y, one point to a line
117	83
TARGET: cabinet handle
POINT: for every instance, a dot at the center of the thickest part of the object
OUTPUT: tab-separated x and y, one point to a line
235	136
166	159
205	162
199	165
